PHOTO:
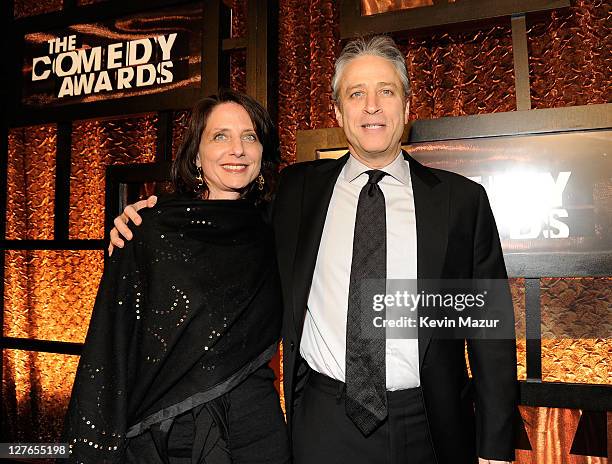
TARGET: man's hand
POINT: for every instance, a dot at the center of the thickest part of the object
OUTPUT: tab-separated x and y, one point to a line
129	213
491	461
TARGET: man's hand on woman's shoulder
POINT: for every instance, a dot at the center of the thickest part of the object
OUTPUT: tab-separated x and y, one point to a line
121	228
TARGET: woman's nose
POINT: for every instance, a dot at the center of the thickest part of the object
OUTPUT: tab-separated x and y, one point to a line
237	147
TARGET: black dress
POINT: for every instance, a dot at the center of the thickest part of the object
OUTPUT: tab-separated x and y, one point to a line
174	368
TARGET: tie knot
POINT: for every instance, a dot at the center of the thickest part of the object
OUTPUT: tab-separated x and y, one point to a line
375	175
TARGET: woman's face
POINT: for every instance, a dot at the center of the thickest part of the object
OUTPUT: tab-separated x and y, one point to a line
230	151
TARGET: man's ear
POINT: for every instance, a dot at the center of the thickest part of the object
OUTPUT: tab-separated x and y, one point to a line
338	113
407	111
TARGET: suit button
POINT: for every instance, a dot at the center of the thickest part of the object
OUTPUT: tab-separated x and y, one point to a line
291	346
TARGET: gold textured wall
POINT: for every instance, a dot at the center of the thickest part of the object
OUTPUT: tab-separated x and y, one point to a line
97	144
31	182
35	390
49	294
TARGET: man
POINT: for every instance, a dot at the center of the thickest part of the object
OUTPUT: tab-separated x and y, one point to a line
376	213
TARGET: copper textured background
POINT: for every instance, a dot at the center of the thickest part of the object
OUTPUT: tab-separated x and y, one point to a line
35	390
96	145
517	288
569	56
31	182
461	73
239	17
238	70
24	8
324	48
180	121
578	301
295	70
551	433
49	294
238	57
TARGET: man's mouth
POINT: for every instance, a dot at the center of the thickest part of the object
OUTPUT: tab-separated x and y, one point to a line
373	126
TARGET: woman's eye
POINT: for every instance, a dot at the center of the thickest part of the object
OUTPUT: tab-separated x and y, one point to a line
250	137
220	136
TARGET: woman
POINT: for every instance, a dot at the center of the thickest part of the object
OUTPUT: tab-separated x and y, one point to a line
174	368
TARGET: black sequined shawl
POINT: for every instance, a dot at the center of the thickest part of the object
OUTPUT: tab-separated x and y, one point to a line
187	310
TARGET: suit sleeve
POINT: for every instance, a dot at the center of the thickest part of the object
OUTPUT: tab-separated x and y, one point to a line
493	362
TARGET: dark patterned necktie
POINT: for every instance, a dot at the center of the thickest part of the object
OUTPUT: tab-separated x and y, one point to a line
366	400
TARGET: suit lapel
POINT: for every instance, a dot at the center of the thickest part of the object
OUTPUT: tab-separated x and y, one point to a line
319	185
431	197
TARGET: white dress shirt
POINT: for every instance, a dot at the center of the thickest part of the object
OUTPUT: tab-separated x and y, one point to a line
323	344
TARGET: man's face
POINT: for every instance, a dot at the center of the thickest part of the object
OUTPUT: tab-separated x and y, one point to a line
372	109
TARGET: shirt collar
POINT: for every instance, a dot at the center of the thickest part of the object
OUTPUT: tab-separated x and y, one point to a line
398	169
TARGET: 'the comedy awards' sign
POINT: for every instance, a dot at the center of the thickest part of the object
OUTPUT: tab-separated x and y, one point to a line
147	54
116	66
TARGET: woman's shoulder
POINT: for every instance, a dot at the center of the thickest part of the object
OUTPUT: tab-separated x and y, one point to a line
165	202
151	216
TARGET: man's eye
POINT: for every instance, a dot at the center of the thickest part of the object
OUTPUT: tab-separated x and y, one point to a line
387	92
357	94
220	136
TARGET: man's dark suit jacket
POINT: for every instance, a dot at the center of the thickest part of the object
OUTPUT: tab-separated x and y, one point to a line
456	239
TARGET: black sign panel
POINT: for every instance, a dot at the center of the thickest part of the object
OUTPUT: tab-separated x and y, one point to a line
155	53
551	195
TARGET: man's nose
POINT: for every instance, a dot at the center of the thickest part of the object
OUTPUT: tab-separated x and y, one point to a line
372	105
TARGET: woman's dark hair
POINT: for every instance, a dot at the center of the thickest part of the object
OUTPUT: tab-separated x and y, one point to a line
184	172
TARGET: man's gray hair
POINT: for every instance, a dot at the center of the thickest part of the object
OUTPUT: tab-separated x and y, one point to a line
379	45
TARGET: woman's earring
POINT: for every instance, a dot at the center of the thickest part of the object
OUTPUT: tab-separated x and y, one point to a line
260	182
199	178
